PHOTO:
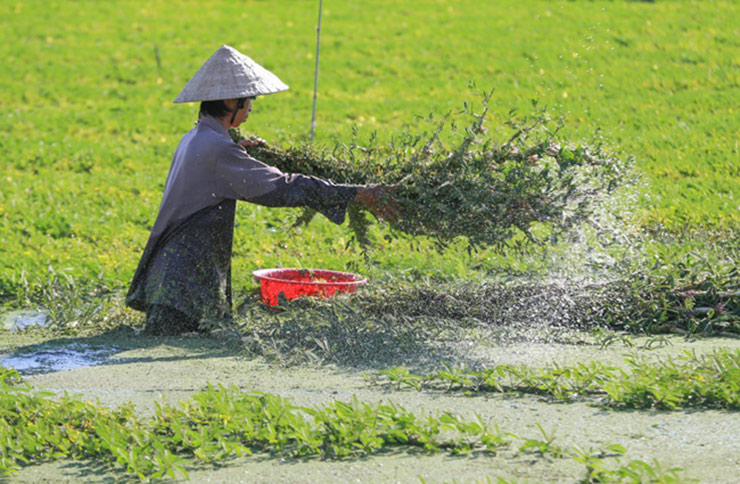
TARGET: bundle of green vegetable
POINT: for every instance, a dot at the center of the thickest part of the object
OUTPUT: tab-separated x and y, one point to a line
471	185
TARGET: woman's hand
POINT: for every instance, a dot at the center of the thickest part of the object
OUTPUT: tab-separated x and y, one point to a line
379	200
252	141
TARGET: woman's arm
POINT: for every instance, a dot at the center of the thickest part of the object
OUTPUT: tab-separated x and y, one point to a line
245	178
293	190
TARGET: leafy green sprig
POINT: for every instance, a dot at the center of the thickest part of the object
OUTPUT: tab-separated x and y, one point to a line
530	188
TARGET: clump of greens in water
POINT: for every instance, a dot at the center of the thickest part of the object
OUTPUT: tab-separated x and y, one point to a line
691	381
219	423
491	191
638	301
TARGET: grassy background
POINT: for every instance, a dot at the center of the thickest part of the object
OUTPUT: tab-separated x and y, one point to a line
87	126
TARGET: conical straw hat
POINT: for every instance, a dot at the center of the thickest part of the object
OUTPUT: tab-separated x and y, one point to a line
229	74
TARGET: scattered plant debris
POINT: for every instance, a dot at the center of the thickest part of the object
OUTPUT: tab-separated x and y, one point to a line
392	320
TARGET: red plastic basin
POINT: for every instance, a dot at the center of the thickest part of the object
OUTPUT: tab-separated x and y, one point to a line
295	283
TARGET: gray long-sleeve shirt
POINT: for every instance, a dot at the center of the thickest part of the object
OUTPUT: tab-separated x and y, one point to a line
186	263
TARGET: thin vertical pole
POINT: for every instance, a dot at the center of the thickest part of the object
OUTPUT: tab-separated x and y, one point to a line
316	74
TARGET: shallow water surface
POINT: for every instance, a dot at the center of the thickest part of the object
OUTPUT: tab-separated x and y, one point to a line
23	319
51	359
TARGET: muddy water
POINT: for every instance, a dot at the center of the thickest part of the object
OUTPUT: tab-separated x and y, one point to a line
705	443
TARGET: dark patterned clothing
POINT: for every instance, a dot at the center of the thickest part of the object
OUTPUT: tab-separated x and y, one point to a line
163	320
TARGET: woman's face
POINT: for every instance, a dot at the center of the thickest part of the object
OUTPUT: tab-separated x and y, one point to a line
243	113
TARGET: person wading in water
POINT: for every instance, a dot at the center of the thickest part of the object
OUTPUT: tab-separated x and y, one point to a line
183	280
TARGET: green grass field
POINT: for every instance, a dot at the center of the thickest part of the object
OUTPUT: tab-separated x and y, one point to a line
87	123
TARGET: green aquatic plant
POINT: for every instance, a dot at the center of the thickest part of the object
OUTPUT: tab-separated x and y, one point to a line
708	381
692	296
219	423
543	447
417	317
690	381
635	471
531	187
216	424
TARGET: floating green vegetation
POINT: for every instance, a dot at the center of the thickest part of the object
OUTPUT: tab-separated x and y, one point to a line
633	472
395	318
532	184
638	302
219	423
709	381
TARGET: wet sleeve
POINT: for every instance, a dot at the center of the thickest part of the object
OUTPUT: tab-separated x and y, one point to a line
242	177
294	190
